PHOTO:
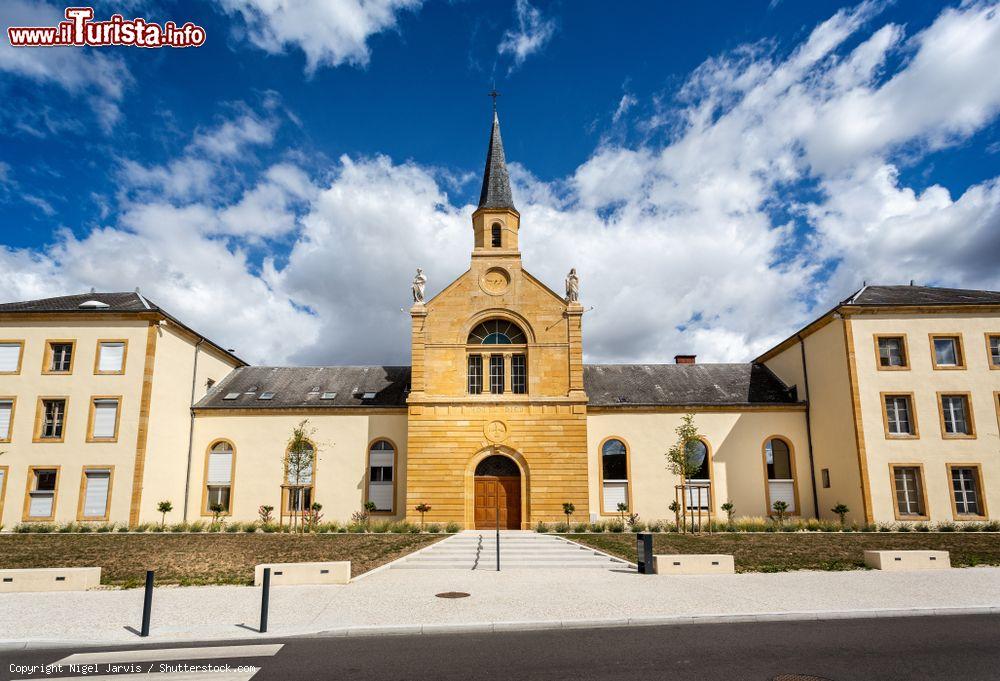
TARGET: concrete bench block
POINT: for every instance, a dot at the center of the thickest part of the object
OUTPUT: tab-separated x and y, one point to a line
694	564
899	561
15	580
282	574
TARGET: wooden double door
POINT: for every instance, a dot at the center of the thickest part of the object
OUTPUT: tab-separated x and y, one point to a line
488	489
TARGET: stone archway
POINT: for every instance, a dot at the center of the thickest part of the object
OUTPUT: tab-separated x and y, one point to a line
497	481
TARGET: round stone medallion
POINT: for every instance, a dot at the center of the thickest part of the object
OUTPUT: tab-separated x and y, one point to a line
496	431
495	281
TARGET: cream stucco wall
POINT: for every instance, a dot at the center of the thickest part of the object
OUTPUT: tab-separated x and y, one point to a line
931	448
74	452
260	440
735	438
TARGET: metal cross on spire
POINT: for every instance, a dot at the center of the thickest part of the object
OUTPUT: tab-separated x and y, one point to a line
494	94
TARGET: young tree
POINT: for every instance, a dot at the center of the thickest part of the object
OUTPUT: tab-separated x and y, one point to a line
729	508
422	508
299	460
568	509
216	509
164	507
676	508
842	511
780	508
622	510
369	509
682	457
265	513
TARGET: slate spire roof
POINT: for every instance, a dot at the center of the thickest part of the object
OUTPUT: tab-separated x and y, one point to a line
496	181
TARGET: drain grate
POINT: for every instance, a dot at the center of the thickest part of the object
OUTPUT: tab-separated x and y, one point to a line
452	594
798	677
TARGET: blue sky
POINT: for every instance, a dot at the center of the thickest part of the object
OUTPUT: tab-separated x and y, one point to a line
718	172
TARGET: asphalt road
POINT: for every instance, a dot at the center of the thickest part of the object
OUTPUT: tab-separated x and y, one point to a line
903	649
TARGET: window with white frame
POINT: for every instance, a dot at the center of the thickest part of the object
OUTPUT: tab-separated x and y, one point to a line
475	376
955	414
60	357
219	479
518	374
614	474
898	410
891	351
42	493
381	461
96	493
110	357
993	342
104	419
780	480
496	374
947	351
908	484
6	418
53	419
965	490
10	357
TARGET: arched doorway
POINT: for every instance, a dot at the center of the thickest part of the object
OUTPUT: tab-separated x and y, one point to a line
497	488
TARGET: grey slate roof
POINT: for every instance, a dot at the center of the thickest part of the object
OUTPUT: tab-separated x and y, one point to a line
606	384
496	181
921	295
293	387
683	384
116	302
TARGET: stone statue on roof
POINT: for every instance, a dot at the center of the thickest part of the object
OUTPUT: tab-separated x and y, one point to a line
572	287
419	282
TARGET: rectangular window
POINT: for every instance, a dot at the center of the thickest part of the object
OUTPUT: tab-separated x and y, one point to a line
825	476
993	349
892	352
3	487
10	356
496	374
110	357
42	486
908	482
51	419
104	418
6	418
965	490
899	418
220	478
947	352
956	417
380	479
95	494
475	374
58	357
519	374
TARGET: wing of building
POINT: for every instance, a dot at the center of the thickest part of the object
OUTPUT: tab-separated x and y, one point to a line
889	404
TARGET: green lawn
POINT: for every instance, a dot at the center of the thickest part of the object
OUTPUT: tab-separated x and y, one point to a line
200	558
779	552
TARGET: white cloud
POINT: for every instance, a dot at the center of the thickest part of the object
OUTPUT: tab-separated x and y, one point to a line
532	32
99	77
328	33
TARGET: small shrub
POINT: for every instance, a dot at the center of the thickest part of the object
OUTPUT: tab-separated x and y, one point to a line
562	527
992	526
452	527
616	526
197	526
597	526
179	527
250	528
970	527
885	527
638	526
904	527
415	529
400	528
922	527
234	527
84	527
382	526
581	527
266	514
269	527
356	528
434	528
122	528
66	527
946	527
106	527
541	527
656	526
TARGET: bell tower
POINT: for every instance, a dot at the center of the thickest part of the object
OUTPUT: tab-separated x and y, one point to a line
496	222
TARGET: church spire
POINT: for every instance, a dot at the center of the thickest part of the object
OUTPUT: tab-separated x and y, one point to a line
496	182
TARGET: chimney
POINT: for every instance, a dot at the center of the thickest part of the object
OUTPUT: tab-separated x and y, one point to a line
684	359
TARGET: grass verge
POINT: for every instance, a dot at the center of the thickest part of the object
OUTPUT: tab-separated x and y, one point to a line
189	559
804	550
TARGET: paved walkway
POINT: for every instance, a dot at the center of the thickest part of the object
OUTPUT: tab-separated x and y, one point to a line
477	550
405	601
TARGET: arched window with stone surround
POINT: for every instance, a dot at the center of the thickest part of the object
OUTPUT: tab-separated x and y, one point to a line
508	369
614	475
780	464
496	235
700	483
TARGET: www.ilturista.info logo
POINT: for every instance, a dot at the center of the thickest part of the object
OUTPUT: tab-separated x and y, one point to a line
80	29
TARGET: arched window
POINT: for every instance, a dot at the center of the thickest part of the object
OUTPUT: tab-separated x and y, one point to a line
381	475
219	466
501	365
614	475
300	479
700	482
780	464
497	235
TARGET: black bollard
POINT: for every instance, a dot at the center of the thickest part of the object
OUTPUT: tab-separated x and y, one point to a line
147	604
264	595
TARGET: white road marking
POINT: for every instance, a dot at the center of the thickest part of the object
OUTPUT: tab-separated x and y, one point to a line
180	676
162	654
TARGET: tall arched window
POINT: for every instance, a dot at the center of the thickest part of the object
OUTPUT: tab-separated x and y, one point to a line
300	479
700	483
508	371
780	464
219	466
381	476
496	235
614	475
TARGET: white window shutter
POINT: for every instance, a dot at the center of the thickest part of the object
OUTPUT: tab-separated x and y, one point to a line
112	355
6	408
95	502
105	417
615	493
380	493
782	490
381	457
41	505
220	467
10	353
